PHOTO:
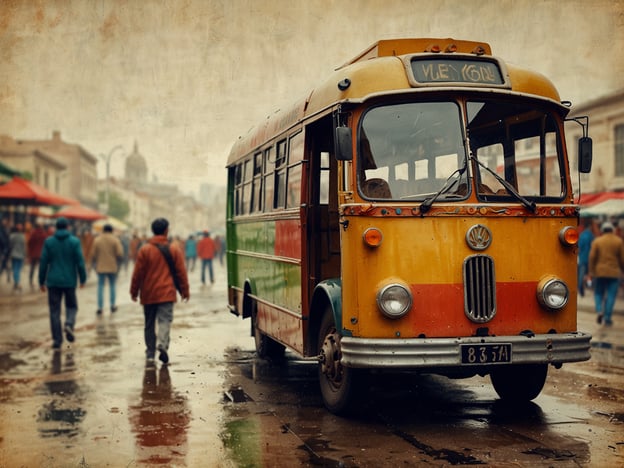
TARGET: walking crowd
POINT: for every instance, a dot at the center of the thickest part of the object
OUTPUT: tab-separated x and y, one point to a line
63	260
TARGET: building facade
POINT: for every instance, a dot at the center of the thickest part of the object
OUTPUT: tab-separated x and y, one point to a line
63	168
606	128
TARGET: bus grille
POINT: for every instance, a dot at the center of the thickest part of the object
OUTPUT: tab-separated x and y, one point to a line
479	288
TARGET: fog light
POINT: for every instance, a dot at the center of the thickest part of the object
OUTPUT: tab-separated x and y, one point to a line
568	236
552	293
372	237
394	300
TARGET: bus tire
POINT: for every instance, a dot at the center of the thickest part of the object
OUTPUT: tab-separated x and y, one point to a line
266	347
338	384
519	383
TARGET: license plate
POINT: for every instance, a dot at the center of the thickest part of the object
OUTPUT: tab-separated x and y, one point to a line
485	353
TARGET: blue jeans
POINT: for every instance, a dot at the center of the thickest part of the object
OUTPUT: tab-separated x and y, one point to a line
112	277
207	262
55	297
157	314
608	286
16	266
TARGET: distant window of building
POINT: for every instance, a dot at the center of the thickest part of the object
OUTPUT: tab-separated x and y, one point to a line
619	150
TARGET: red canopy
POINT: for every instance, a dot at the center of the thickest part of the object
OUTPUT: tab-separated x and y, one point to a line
591	199
19	191
79	212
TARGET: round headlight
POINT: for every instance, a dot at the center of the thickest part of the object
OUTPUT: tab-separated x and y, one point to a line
553	294
394	300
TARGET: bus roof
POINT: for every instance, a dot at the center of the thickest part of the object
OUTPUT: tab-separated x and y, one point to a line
380	68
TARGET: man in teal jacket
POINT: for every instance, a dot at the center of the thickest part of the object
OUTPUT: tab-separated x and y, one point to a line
61	265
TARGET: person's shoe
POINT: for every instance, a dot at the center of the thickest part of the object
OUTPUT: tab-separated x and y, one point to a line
149	361
69	334
113	309
163	356
98	312
599	319
608	323
56	347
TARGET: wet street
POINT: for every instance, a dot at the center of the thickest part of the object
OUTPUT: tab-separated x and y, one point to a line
96	404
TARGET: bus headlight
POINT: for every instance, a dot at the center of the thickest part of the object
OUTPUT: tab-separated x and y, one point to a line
394	300
552	293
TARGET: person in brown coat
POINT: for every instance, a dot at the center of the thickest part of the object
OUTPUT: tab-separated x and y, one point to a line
154	281
606	262
106	254
34	247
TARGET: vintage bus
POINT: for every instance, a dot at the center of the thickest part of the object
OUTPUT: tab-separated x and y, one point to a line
413	212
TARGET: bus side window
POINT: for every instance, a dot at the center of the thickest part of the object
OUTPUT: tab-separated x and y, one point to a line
256	191
295	169
269	165
324	179
280	175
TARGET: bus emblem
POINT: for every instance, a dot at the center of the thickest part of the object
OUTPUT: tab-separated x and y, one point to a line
479	237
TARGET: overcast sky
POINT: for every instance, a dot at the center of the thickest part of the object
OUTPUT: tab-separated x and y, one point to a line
185	78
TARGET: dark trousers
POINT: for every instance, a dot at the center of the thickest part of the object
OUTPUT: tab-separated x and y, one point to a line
55	298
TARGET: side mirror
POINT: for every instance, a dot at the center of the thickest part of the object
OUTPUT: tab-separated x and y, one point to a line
344	146
584	155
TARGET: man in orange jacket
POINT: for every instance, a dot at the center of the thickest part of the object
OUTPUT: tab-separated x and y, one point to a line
153	279
206	251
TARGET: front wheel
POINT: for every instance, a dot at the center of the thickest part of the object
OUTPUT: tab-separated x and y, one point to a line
519	383
338	383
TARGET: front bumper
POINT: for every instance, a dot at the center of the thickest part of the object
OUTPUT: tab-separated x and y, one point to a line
426	353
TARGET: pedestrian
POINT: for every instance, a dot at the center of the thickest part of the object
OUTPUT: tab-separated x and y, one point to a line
206	251
125	243
133	248
34	247
61	267
17	246
106	255
585	241
4	243
606	262
158	272
190	252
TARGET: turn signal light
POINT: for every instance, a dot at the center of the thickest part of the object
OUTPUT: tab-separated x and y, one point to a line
372	237
569	236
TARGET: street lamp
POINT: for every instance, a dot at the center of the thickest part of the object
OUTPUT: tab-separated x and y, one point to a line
107	159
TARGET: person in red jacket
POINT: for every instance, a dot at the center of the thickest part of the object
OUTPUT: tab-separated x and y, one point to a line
206	249
153	281
34	247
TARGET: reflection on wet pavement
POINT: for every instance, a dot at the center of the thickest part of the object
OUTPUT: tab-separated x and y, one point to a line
160	420
61	415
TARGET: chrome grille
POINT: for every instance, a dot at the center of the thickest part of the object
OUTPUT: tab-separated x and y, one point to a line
479	288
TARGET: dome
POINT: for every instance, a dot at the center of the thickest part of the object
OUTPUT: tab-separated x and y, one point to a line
136	167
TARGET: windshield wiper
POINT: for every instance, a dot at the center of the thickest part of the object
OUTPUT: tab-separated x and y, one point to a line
426	204
510	188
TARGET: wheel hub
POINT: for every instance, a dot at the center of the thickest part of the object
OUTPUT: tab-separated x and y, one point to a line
330	357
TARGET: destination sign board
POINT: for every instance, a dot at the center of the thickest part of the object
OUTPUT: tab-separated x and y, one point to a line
456	70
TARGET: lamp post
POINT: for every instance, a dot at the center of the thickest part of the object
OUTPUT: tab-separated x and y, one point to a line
107	159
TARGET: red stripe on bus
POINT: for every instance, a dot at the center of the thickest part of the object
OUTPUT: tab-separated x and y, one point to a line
438	310
288	238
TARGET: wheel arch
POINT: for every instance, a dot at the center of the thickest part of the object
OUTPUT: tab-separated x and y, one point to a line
248	304
327	293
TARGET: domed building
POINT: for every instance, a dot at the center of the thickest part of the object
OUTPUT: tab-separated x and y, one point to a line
136	167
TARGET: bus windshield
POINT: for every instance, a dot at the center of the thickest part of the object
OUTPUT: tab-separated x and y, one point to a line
517	143
411	151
